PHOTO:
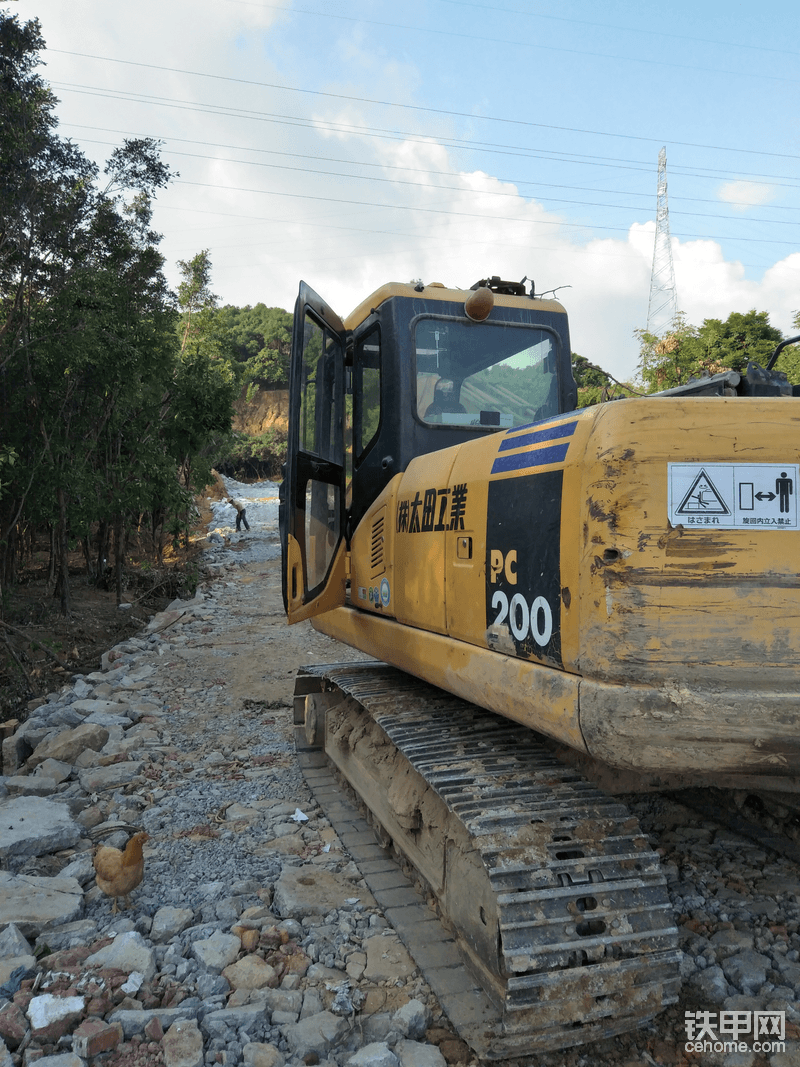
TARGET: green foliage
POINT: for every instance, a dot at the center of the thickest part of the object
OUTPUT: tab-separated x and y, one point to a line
690	352
586	374
522	392
200	409
100	408
595	385
789	359
194	294
260	339
254	456
256	340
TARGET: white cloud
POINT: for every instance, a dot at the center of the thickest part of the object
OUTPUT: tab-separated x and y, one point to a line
454	228
743	195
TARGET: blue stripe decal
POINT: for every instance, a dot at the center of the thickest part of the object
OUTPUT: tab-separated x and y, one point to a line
552	433
535	458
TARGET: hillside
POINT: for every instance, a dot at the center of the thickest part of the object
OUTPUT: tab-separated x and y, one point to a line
268	410
260	427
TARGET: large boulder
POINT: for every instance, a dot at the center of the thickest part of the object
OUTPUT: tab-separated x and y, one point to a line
33	826
68	744
33	903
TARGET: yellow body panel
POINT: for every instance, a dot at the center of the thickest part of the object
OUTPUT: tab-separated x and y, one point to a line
689	635
688	603
541	699
655	646
333	592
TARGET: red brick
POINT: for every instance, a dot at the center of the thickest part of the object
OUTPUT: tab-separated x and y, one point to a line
154	1030
68	959
94	1036
22	999
100	1005
13	1025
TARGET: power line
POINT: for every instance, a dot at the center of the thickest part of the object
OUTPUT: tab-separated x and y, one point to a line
517	41
462	214
660	34
426	234
428	110
449	142
461	190
421	170
462	143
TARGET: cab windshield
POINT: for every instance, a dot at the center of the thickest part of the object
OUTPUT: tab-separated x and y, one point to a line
487	375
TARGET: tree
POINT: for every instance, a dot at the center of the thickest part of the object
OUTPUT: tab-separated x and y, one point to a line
45	188
200	412
789	359
594	384
260	340
664	362
99	409
690	352
194	290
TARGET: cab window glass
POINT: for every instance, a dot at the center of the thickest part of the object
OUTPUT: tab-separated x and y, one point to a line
484	375
366	391
320	429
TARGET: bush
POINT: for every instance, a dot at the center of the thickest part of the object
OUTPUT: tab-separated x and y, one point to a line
252	457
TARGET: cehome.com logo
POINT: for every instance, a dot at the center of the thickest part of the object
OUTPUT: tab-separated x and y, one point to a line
706	1032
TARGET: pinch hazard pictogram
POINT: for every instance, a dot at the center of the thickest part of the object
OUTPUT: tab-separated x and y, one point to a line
703	497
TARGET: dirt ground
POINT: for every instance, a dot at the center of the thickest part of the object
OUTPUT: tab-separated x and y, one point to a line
40	648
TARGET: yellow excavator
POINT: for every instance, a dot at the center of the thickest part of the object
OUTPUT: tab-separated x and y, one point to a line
612	591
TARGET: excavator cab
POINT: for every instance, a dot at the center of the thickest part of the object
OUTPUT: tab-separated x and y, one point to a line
413	370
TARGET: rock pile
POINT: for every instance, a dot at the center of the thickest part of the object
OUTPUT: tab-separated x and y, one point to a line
251	940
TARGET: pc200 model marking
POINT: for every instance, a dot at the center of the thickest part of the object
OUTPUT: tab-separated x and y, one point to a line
523	565
536	620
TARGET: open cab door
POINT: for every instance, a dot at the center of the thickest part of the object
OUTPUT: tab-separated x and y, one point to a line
314	556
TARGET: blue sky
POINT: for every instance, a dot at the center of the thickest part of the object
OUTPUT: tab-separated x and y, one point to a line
366	142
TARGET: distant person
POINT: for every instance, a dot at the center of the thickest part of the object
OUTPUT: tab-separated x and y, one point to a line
241	516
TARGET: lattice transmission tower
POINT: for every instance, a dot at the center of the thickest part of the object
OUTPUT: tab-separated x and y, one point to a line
663	305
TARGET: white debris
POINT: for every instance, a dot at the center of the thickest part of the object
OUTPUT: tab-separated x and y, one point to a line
134	983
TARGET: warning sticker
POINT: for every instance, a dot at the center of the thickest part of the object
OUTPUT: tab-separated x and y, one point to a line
734	496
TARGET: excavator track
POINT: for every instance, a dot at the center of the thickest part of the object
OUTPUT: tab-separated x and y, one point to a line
553	896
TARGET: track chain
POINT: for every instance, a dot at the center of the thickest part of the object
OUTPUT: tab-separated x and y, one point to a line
588	945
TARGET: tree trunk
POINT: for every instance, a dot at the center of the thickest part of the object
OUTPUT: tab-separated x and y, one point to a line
159	525
11	557
119	555
103	533
63	553
87	555
51	566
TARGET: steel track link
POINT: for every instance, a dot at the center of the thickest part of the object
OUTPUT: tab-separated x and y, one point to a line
569	929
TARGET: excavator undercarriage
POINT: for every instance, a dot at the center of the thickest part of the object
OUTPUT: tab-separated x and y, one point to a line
555	899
